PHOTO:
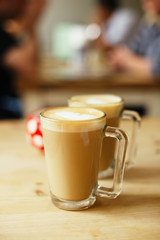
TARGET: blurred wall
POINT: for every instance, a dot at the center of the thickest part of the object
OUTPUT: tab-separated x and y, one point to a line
135	4
67	10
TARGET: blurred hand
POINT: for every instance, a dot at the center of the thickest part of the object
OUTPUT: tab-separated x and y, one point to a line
23	59
120	58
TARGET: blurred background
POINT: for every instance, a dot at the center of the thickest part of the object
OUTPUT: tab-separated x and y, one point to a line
70	57
60	11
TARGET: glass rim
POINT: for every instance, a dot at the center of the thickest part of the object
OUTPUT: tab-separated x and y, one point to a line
70	120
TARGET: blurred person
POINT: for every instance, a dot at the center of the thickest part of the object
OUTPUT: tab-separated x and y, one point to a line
18	50
116	23
142	53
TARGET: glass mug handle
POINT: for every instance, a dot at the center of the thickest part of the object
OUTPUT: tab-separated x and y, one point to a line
115	190
136	120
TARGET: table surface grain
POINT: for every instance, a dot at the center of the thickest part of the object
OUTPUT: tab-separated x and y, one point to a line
26	211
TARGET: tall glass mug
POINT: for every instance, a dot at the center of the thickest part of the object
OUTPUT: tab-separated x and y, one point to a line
72	141
113	106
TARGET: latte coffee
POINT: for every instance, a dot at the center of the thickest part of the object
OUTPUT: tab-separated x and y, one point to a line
72	141
110	104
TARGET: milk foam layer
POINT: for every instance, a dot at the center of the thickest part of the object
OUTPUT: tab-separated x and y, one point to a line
74	116
97	99
72	119
112	105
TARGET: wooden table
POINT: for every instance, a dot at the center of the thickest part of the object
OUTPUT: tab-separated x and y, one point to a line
26	211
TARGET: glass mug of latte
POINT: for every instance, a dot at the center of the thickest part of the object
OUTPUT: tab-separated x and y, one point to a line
113	106
72	142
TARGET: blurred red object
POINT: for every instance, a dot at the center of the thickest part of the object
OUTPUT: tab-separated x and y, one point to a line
33	130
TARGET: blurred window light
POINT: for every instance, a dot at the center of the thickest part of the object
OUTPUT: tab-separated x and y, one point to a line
93	31
67	38
76	36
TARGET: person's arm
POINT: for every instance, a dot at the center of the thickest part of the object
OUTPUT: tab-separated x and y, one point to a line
23	58
140	65
123	58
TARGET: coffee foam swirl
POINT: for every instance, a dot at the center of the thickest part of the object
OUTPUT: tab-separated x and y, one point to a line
72	119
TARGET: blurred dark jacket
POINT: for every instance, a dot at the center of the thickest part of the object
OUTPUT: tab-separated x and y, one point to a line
146	43
10	106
